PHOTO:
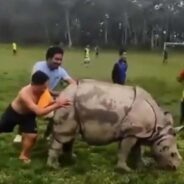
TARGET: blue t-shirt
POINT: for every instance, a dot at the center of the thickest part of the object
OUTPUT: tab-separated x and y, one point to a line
119	72
54	75
122	71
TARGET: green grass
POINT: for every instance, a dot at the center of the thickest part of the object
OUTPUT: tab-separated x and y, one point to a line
94	165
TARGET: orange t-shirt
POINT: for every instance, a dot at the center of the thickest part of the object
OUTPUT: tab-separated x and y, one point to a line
45	99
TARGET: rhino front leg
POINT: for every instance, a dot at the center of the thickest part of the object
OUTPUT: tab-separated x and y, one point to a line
124	150
136	155
56	149
68	149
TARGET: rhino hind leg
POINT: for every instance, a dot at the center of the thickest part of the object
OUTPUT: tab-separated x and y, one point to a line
125	148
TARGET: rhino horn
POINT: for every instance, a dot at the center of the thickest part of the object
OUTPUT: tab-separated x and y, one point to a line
179	128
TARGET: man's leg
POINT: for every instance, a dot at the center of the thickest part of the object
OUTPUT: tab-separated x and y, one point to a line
28	128
8	120
28	141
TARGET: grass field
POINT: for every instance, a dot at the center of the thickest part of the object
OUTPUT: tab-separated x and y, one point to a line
93	165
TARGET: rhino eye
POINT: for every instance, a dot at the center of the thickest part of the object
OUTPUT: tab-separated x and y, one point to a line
165	148
173	154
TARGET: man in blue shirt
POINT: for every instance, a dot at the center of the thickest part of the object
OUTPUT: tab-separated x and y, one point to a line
52	68
120	68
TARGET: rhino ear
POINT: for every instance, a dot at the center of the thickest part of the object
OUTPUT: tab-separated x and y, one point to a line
168	118
179	129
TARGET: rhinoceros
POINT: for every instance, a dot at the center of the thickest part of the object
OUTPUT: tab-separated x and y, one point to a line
103	113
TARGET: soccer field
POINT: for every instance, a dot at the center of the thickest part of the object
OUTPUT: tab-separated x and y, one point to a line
93	165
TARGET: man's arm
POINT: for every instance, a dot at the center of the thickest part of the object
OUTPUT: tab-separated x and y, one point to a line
43	111
66	77
68	80
126	65
54	93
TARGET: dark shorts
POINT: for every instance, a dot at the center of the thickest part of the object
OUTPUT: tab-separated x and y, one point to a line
10	118
14	51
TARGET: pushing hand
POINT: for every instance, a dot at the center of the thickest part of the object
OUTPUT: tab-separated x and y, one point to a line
63	101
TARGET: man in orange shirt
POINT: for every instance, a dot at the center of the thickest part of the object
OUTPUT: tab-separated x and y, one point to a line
24	109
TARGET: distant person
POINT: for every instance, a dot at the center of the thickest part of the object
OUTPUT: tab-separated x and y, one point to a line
165	56
120	68
52	66
14	48
24	109
87	55
96	51
180	79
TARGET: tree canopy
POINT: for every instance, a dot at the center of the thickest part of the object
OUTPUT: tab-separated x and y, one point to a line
142	23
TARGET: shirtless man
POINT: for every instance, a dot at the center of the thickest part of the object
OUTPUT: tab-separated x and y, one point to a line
24	109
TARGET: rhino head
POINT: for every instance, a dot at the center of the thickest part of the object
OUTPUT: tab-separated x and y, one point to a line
166	153
165	149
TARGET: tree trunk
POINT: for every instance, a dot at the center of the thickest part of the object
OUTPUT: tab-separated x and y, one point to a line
106	32
135	39
46	30
126	28
152	39
67	18
144	33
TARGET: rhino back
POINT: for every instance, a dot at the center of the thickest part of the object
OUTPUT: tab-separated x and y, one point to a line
100	107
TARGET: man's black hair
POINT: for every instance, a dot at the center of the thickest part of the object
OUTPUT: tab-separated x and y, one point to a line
52	51
121	51
39	78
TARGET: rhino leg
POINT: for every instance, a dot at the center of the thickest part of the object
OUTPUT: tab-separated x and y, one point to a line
125	148
68	149
136	155
54	153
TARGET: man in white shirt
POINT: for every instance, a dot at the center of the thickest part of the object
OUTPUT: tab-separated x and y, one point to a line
52	68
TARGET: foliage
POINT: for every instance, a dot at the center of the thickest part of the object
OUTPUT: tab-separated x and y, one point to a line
143	23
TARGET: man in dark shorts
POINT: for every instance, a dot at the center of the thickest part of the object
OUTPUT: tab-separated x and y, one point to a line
96	51
165	56
24	109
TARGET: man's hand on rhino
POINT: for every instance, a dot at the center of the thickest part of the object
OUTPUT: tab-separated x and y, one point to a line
63	101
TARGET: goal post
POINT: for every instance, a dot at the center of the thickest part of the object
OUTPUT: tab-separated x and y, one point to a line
166	44
165	51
